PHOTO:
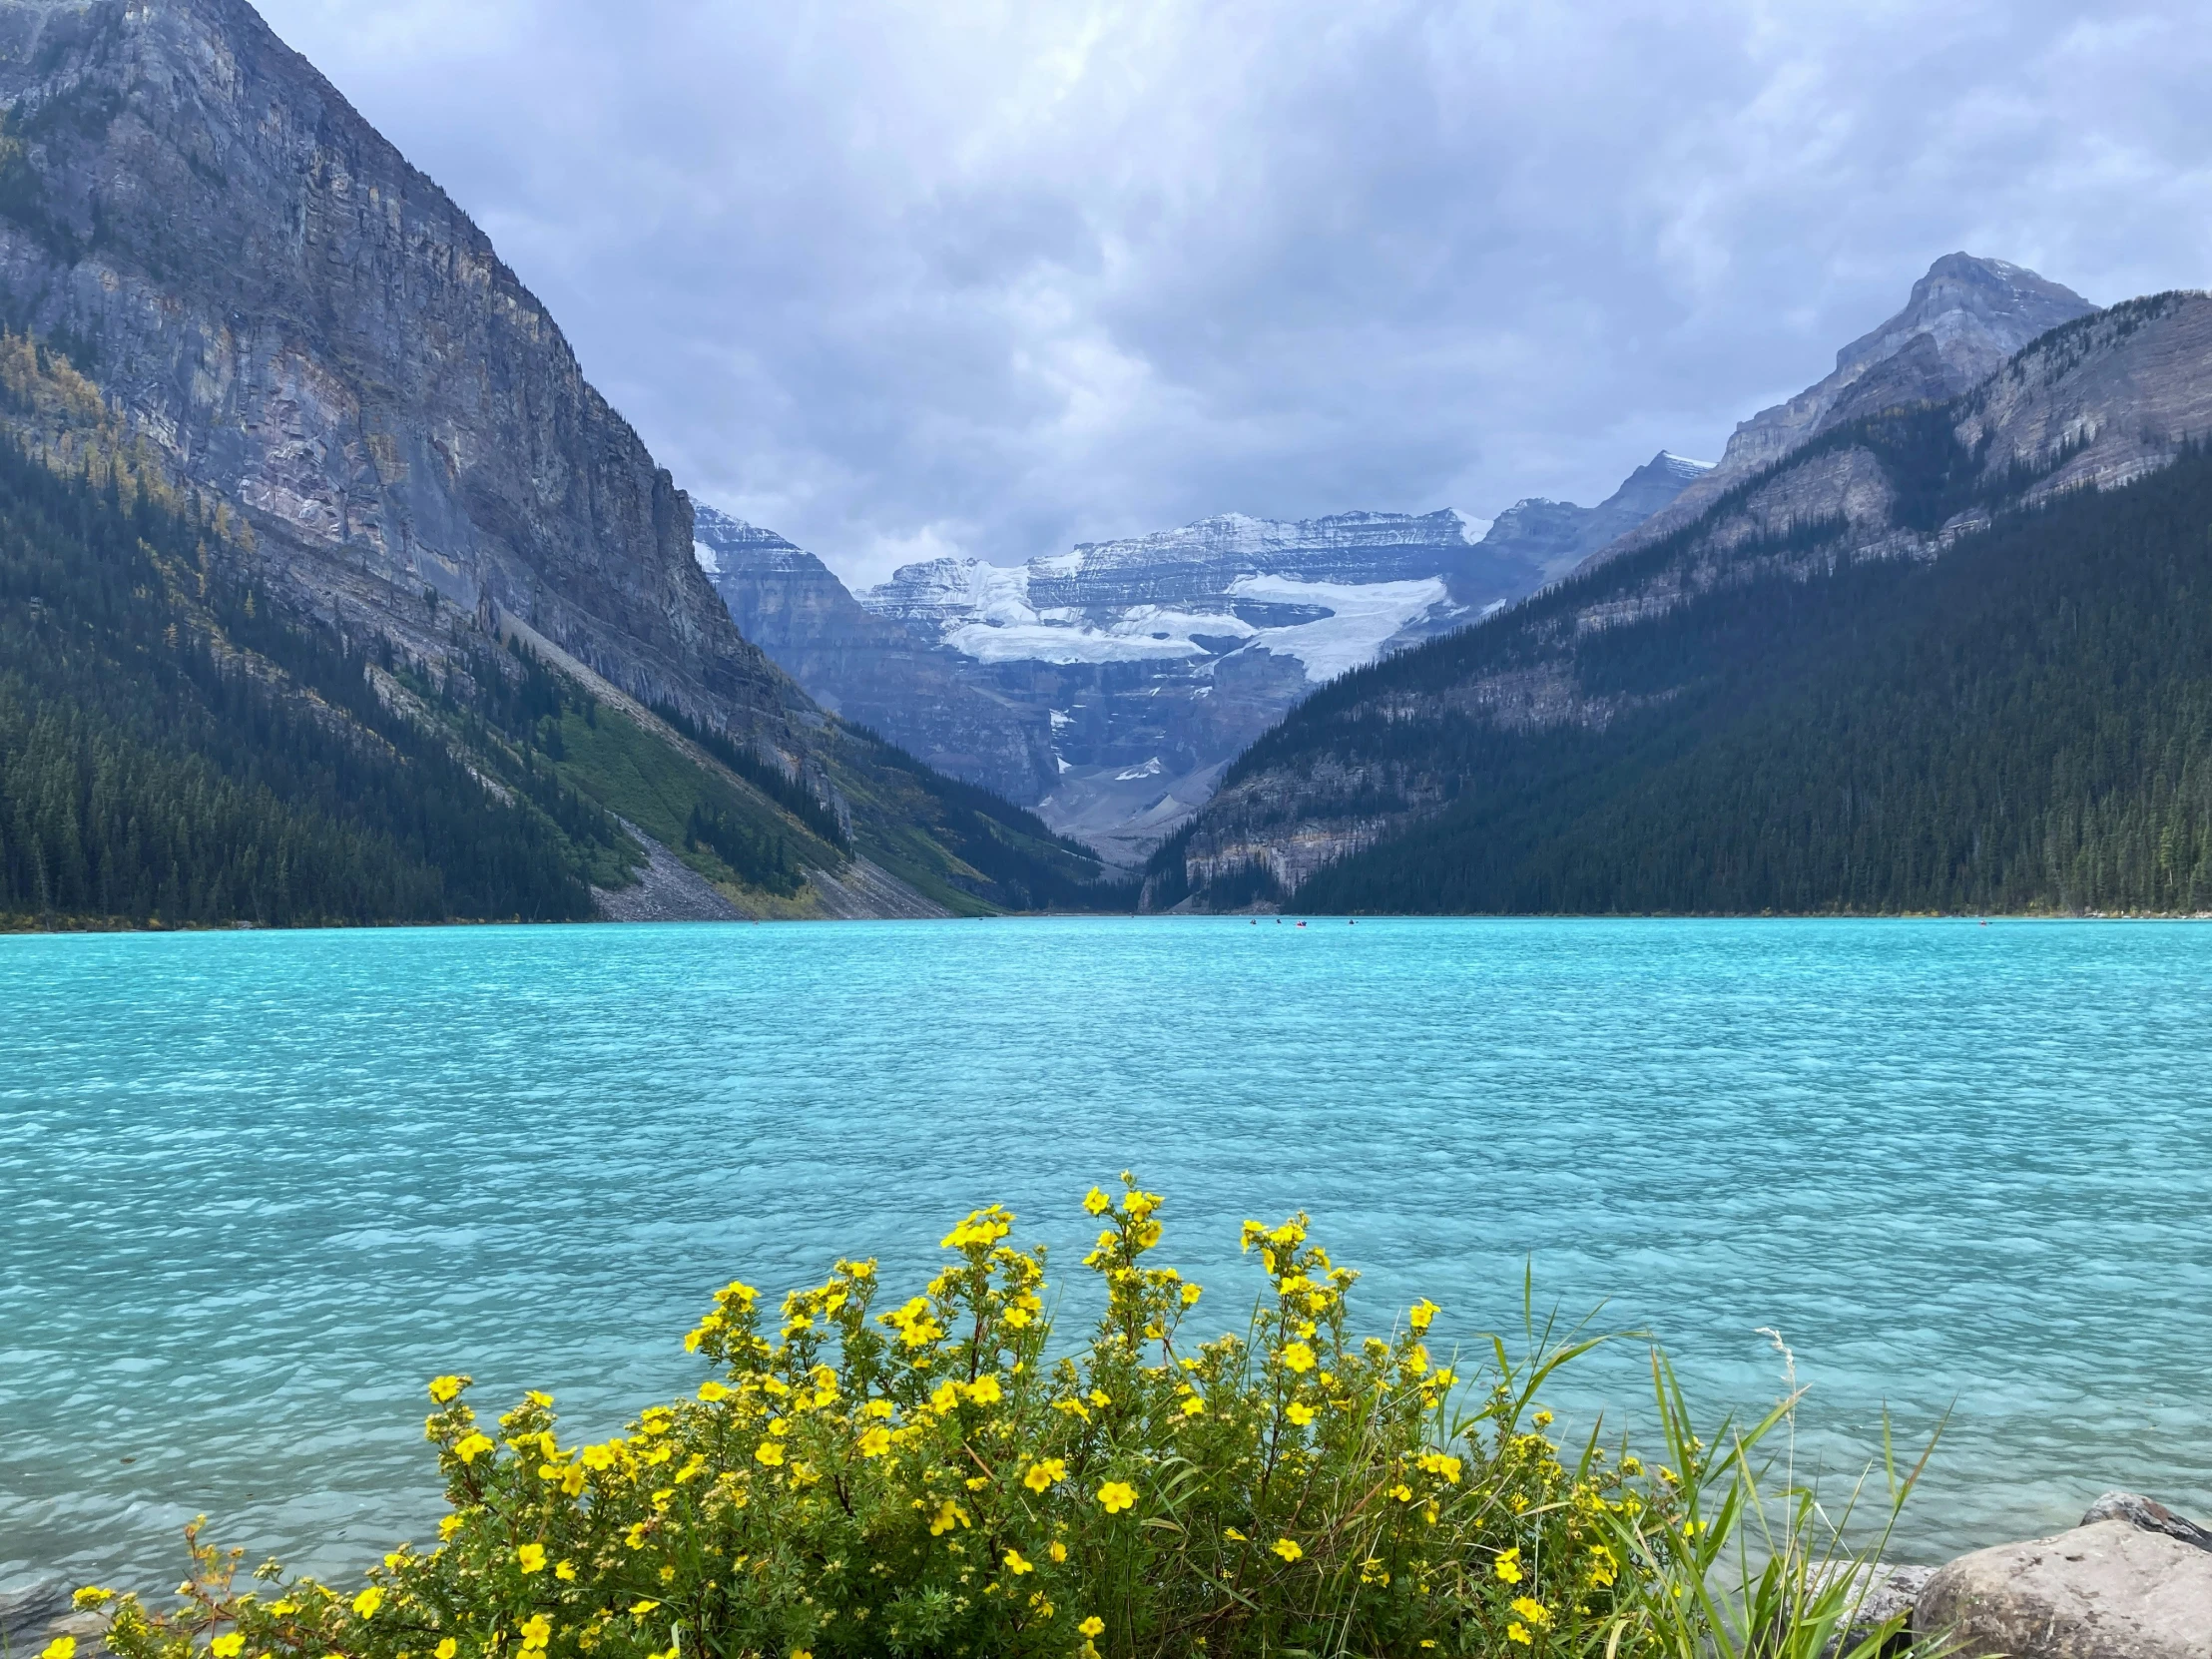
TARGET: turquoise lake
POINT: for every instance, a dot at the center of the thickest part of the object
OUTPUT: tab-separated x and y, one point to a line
255	1188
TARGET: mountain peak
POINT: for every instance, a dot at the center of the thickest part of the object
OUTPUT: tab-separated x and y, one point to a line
1970	307
1959	325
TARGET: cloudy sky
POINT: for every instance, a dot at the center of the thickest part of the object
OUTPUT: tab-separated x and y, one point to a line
909	278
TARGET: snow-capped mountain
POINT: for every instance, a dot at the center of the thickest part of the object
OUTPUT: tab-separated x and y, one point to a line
925	696
1110	685
1330	592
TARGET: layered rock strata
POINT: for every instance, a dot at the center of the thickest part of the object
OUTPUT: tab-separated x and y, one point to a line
303	324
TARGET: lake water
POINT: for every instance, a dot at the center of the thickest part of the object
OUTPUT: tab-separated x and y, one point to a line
255	1188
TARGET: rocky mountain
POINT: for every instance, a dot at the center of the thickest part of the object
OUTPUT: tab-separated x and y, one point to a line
868	668
1960	324
299	320
258	302
1109	684
1499	717
1552	537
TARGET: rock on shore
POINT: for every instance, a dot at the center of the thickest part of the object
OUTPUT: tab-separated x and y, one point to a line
2127	1587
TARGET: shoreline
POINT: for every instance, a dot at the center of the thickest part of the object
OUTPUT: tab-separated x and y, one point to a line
20	926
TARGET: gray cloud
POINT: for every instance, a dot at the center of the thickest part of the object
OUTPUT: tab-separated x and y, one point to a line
947	276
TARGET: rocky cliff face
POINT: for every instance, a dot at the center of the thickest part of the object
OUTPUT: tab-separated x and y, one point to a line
2097	401
1960	324
925	697
310	328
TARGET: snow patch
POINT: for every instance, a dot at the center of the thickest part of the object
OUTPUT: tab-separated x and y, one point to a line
1151	768
1365	616
709	560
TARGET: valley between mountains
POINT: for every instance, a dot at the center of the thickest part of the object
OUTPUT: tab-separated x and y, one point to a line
330	591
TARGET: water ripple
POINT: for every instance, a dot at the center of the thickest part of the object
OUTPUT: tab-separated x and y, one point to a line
254	1188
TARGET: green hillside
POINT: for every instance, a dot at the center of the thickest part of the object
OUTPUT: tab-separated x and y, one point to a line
173	751
2023	724
964	847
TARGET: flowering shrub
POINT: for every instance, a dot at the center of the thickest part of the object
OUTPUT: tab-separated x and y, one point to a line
928	1479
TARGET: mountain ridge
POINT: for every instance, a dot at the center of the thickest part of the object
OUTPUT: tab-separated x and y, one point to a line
274	308
1109	683
1963	319
2094	403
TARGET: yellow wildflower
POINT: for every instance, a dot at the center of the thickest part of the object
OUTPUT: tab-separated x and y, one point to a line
1101	1399
948	1515
603	1457
1298	1358
537	1630
1437	1463
447	1648
61	1647
1016	1565
445	1390
1092	1626
768	1454
1519	1632
1507	1566
984	1391
531	1557
1194	1406
1534	1611
1601	1566
875	1441
712	1392
640	1608
366	1603
1300	1414
946	1396
1190	1294
1117	1495
1424	1315
983	1227
565	1573
572	1479
472	1447
447	1526
1044	1472
1059	1551
1288	1548
227	1646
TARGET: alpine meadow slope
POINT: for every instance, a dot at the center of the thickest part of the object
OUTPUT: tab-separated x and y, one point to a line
229	296
1939	655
